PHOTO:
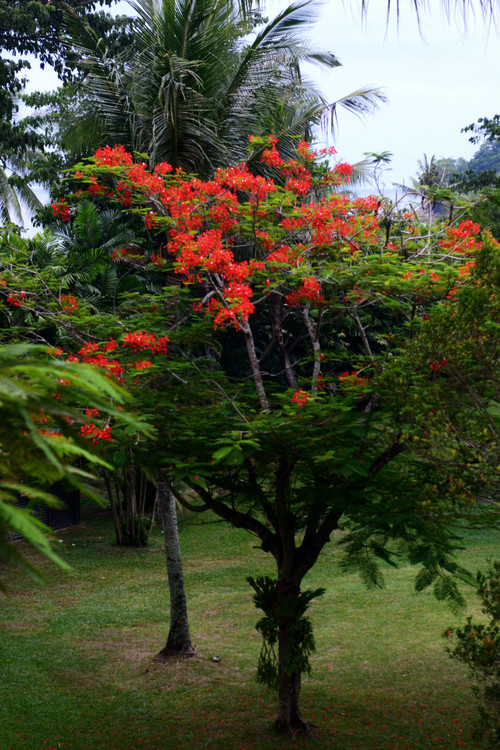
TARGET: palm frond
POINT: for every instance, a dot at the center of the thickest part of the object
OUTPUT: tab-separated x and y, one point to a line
10	206
194	89
105	81
362	102
461	9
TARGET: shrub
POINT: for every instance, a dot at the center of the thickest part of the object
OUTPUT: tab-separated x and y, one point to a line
478	646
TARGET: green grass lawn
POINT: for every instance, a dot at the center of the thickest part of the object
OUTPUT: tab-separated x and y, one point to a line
77	669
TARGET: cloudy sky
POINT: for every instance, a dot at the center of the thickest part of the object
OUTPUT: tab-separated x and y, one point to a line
437	80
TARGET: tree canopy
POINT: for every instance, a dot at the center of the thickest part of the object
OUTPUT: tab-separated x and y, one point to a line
33	28
325	365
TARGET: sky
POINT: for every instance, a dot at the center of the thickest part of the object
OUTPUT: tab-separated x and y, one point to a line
437	79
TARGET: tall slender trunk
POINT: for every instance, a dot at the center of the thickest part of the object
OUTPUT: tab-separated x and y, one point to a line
276	306
114	511
179	640
254	364
313	331
289	718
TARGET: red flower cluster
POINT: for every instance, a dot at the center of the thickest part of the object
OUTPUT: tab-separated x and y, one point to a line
139	341
90	353
54	351
123	193
61	210
344	171
352	379
284	255
307	293
16	300
300	398
140	177
150	220
356	295
68	302
271	156
299	187
225	212
435	366
240	178
94	188
239	306
210	222
304	151
462	239
331	150
112	156
163	168
95	433
142	364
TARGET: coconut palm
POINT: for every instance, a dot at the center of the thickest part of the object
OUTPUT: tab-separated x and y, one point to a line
17	197
195	86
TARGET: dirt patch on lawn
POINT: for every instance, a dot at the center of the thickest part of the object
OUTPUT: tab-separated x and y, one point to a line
127	661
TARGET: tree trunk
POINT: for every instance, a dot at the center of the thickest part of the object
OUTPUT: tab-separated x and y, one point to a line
289	718
276	306
179	641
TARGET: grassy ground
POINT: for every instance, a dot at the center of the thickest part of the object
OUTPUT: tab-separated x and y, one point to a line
76	668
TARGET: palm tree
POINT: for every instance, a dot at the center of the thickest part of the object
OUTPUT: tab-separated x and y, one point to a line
17	197
431	172
97	256
195	87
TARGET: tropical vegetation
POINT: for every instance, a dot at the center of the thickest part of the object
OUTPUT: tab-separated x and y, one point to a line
303	363
364	379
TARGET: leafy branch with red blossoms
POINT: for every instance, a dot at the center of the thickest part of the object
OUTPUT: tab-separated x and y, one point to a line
297	368
298	245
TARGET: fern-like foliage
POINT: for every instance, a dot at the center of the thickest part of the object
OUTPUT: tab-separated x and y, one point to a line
285	612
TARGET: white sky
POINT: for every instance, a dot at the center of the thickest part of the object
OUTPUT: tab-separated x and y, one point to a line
437	80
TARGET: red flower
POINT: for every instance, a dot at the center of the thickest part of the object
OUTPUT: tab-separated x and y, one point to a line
140	340
112	156
309	291
300	398
150	220
142	364
69	302
61	210
352	379
344	170
435	366
163	168
272	158
96	433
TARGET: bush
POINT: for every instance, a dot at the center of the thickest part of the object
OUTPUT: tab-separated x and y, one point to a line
478	646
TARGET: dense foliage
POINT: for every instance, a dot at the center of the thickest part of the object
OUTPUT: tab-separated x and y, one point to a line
316	370
45	406
33	28
477	644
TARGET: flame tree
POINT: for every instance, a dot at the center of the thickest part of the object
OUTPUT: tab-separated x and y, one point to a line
329	366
